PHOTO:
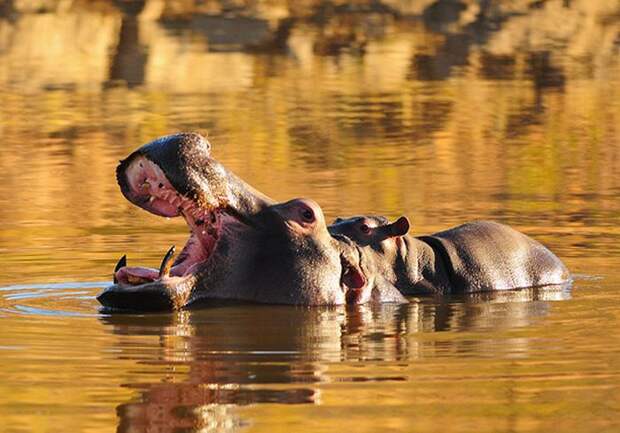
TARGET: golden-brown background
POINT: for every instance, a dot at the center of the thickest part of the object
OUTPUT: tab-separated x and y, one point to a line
445	111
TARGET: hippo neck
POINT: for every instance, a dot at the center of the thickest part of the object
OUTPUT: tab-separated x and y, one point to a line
245	200
420	268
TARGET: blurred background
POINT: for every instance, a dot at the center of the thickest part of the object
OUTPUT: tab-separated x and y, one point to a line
443	110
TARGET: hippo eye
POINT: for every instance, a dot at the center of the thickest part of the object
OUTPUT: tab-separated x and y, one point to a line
364	229
307	215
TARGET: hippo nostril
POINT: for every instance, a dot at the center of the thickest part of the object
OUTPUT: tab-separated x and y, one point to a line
308	215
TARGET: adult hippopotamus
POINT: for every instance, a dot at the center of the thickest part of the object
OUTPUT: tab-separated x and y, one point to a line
242	245
477	256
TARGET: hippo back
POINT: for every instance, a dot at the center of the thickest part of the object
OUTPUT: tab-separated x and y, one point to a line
483	256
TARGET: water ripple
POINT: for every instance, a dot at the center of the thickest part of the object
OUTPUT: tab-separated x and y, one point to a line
66	299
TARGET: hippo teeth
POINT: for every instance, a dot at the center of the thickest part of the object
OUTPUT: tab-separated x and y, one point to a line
145	184
197	249
122	262
166	263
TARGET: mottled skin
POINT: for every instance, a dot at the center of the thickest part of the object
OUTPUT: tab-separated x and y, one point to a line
243	246
478	256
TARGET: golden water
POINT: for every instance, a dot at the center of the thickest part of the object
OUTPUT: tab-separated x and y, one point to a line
421	122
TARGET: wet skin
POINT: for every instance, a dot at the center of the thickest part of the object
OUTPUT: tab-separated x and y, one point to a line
242	246
479	256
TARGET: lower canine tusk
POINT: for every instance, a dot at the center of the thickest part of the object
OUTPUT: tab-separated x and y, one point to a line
166	263
122	262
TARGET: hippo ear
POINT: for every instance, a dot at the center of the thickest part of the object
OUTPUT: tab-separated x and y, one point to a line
400	227
337	220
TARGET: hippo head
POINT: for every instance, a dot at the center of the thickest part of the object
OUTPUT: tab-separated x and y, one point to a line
380	242
373	231
242	245
306	264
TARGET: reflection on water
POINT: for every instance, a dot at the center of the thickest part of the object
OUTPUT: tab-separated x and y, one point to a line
215	369
444	111
237	356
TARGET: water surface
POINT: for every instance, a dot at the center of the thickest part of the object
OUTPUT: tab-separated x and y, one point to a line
514	119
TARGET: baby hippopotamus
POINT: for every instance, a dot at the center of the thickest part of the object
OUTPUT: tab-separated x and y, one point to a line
477	256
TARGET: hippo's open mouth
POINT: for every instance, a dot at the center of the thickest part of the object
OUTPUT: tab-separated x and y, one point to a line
145	184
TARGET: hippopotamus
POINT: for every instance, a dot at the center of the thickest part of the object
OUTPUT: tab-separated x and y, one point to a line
243	246
478	256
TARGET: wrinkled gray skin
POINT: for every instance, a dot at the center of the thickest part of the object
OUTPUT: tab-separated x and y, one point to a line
474	257
256	250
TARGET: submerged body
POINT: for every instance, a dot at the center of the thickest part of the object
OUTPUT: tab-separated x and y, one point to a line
477	256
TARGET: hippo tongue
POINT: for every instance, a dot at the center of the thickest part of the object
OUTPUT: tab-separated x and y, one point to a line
136	275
